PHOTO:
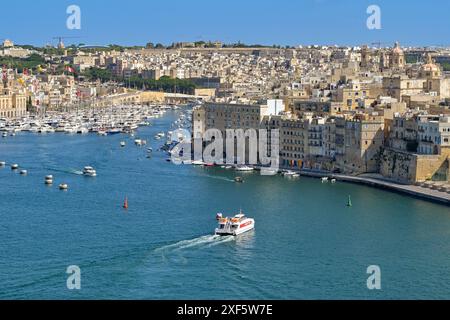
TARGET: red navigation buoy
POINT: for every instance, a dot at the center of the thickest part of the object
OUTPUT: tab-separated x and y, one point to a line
125	204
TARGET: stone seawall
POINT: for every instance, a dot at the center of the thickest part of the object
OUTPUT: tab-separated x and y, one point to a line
412	190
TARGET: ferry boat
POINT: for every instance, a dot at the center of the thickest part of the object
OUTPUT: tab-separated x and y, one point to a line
234	226
89	171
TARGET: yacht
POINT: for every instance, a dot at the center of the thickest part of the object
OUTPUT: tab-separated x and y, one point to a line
89	171
60	128
70	130
82	130
235	226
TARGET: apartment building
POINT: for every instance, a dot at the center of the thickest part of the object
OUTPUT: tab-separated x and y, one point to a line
12	105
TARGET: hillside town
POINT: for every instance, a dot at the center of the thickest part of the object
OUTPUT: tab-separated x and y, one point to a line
368	110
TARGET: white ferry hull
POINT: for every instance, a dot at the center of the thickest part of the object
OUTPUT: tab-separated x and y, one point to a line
244	227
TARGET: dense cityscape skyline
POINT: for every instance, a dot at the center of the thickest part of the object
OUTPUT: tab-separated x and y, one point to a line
225	150
304	22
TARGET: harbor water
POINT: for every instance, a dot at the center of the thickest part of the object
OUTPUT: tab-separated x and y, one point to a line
308	244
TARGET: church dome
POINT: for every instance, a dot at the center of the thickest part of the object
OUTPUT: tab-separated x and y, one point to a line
397	49
430	66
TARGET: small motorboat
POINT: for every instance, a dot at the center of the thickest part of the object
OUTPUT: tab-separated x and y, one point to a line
63	186
324	180
2	163
49	179
123	144
14	166
235	226
23	172
239	180
89	172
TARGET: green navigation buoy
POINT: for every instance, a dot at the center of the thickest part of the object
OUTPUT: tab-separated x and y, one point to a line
349	203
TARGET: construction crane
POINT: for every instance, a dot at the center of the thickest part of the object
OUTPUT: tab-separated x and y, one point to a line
61	41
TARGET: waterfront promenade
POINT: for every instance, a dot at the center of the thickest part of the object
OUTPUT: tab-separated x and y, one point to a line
382	183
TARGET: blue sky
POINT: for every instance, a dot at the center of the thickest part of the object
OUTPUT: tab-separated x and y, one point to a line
284	22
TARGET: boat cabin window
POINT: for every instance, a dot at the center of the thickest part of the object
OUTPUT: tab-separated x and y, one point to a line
222	226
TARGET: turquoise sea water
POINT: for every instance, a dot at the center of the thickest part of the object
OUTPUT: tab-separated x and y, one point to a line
307	244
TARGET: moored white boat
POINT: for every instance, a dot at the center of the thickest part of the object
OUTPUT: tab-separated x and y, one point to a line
291	174
269	172
49	179
63	186
244	169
